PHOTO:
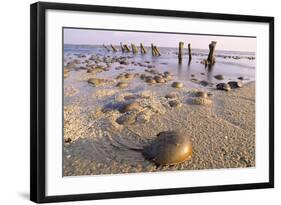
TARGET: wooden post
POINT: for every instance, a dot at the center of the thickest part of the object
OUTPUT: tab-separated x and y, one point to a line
113	48
105	47
180	51
157	51
211	57
127	48
189	52
122	48
134	48
143	50
152	50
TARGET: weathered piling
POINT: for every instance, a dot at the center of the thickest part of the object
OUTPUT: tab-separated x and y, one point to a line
189	52
113	48
134	48
180	51
106	47
152	50
211	57
127	49
122	48
157	51
143	50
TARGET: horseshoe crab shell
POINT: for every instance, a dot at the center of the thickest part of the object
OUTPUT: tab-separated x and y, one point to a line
169	148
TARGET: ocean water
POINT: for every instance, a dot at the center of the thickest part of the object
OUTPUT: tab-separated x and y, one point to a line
230	64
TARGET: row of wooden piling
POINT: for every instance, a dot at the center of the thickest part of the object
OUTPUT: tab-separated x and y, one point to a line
126	49
180	53
156	52
211	57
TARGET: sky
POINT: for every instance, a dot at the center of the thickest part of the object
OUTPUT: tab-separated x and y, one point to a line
107	37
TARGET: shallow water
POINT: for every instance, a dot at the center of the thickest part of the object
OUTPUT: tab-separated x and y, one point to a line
168	61
225	65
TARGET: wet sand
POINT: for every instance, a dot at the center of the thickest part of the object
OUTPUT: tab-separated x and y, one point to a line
222	127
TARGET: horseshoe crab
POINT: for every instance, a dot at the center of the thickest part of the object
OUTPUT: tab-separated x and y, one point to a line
223	86
234	84
169	148
122	85
219	77
177	85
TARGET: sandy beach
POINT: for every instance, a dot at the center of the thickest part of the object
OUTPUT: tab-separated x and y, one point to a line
103	138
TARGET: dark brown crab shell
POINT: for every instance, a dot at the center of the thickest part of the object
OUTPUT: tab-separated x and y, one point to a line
169	148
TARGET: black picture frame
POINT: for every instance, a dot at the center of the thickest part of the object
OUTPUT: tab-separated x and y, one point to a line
38	101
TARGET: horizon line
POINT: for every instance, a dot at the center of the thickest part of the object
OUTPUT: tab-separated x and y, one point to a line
79	44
